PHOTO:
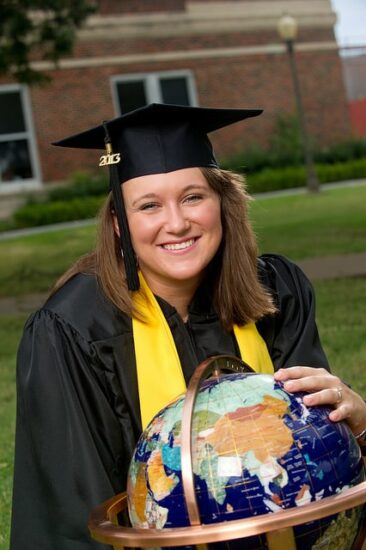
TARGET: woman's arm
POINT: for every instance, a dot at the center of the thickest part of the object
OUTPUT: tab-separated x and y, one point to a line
66	458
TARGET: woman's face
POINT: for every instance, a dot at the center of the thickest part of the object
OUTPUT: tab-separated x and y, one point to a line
175	225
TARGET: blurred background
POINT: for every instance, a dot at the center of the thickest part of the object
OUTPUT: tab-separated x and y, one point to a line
70	67
59	76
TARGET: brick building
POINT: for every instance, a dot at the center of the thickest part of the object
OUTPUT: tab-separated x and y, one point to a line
199	52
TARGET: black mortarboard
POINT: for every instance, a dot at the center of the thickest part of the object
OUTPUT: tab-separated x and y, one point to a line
158	138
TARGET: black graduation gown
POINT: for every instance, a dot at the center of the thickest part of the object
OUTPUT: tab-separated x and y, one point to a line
77	403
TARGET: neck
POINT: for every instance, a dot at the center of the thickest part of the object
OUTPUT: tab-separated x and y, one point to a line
177	295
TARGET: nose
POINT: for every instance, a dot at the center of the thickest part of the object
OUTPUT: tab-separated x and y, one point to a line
176	220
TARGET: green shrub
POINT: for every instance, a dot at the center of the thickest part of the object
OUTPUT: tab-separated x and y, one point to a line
6	225
274	179
255	160
81	184
32	215
354	169
342	152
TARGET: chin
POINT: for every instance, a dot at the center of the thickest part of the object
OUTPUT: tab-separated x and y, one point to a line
181	277
188	277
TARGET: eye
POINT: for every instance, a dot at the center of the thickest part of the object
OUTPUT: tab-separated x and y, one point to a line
148	206
194	197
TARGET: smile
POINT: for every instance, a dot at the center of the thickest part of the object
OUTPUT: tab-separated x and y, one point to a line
178	246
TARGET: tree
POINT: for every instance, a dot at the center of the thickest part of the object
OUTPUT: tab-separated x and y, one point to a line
38	29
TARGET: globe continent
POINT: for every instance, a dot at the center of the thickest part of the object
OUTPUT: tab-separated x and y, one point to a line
256	449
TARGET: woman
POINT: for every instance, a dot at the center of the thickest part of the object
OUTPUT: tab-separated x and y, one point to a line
122	333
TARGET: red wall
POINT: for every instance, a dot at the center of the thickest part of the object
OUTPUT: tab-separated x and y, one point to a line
357	110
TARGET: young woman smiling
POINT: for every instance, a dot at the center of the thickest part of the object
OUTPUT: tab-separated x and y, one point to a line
122	333
175	225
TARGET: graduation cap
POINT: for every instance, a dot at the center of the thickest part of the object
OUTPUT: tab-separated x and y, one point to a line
155	139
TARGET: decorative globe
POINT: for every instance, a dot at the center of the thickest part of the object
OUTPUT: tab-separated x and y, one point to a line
256	449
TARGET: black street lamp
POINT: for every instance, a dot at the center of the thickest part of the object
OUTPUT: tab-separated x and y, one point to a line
287	29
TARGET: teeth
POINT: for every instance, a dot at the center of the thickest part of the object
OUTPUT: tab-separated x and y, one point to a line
179	246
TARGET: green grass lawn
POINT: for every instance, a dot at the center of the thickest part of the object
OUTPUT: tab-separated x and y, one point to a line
342	327
306	226
298	226
10	330
33	263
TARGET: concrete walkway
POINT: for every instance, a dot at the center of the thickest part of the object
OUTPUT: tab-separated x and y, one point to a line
330	267
335	267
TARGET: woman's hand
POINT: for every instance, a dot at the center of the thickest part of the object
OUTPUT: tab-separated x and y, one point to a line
326	389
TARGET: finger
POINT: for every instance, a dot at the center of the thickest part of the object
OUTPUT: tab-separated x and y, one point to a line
298	372
315	383
342	412
329	396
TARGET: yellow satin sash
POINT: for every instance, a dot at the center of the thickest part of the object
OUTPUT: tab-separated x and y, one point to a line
159	372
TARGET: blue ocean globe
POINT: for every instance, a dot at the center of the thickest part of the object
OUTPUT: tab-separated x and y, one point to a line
256	449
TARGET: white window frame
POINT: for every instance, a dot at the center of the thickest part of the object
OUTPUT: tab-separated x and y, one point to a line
152	86
29	135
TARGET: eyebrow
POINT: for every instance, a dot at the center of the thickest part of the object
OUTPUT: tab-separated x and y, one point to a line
189	187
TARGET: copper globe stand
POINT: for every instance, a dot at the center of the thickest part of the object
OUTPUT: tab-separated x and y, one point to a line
103	522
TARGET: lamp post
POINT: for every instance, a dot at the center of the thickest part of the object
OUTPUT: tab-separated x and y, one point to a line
287	29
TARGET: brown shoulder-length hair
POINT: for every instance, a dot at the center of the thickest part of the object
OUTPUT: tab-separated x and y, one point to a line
238	295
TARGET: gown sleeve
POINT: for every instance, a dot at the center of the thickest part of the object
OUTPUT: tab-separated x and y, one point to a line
68	439
291	335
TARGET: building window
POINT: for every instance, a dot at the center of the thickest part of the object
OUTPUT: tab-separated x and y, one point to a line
18	163
136	90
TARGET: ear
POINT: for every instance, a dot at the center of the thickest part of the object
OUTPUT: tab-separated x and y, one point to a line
115	225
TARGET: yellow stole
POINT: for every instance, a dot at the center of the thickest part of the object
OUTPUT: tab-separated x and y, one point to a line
159	372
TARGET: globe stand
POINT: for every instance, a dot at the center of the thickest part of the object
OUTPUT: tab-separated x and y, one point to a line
277	527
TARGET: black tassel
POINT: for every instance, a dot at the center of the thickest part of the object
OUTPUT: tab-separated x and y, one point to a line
128	253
